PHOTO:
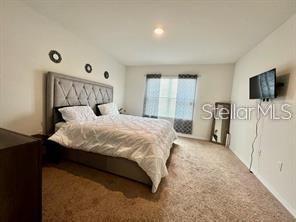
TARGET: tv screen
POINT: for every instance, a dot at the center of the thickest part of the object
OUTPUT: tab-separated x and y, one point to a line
263	86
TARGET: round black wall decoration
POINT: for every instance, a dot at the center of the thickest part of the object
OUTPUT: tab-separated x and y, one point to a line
106	74
55	56
88	68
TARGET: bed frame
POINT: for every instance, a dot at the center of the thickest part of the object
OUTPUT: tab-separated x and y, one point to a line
64	90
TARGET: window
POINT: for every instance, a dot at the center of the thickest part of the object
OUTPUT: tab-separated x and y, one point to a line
171	97
152	95
167	97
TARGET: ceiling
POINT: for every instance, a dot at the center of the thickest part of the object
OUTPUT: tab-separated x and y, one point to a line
196	32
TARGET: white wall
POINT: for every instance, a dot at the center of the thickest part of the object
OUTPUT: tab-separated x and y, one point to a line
277	139
26	39
214	85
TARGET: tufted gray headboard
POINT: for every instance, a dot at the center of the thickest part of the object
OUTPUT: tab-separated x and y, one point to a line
64	90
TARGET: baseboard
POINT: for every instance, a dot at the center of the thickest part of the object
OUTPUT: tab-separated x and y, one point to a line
276	194
192	137
268	186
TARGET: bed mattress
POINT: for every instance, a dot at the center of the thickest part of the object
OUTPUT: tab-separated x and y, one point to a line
143	140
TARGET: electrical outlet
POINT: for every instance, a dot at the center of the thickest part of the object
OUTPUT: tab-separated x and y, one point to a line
259	152
280	165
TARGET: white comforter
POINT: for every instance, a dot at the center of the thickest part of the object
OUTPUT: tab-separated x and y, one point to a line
143	140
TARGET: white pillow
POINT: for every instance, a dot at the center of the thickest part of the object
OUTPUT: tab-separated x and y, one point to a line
108	109
77	113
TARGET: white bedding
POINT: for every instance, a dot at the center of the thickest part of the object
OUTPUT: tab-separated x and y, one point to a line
58	126
143	140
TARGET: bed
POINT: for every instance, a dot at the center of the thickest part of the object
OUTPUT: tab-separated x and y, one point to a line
137	148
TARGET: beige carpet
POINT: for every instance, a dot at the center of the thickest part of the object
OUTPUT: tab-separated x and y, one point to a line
206	182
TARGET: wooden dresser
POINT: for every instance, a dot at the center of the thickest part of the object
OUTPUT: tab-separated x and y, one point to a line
20	177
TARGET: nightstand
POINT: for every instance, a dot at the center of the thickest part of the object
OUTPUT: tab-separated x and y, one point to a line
20	177
50	149
44	152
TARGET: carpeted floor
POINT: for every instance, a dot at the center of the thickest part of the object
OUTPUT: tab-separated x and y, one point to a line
206	182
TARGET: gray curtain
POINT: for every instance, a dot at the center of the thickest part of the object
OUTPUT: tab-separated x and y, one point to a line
151	100
185	103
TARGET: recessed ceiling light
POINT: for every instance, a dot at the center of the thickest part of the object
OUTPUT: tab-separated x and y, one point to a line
158	31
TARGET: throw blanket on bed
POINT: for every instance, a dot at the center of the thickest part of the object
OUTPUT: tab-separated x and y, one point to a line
143	140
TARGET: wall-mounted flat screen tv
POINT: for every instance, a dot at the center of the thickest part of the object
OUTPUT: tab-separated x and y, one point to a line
263	86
